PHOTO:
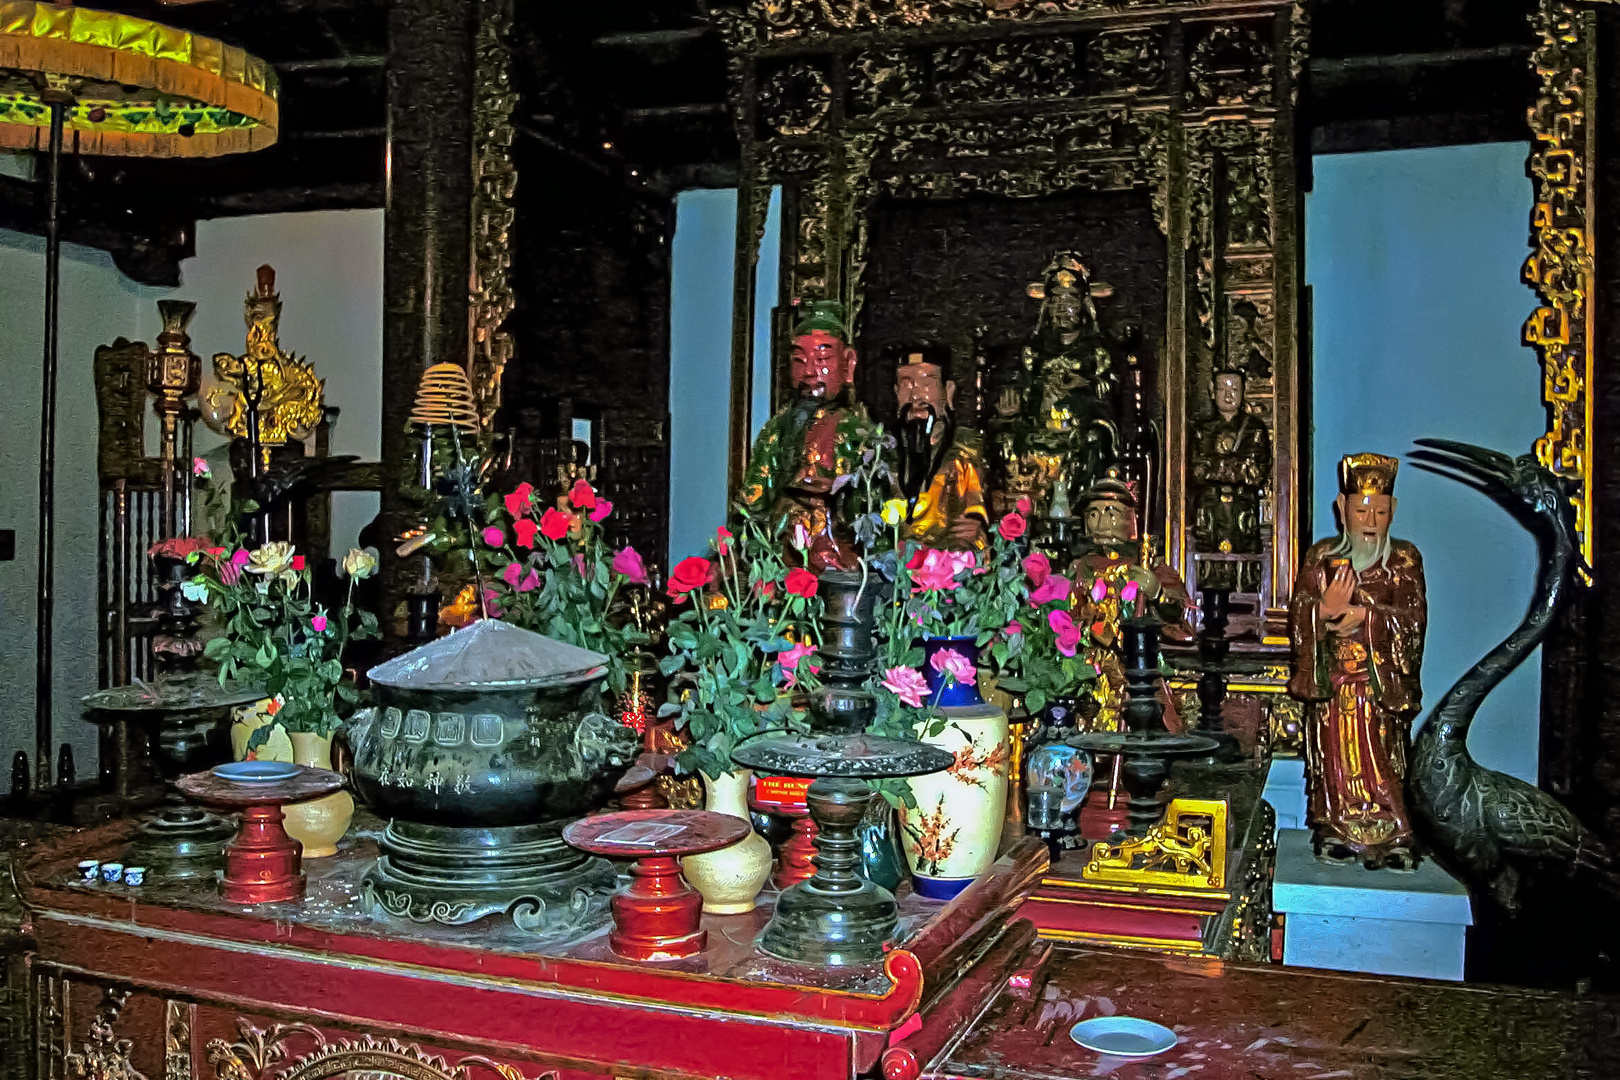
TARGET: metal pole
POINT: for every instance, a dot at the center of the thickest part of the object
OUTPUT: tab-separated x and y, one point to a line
46	607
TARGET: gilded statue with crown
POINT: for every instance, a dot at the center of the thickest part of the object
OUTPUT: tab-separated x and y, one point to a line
1358	617
288	395
1058	417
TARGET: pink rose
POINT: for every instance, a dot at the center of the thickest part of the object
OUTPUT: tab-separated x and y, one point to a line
512	574
603	509
628	562
1023	504
495	536
1014	627
935	573
231	572
906	683
1012	526
1128	593
801	536
579	564
1053	588
1038	568
1068	634
319	623
953	664
789	660
1099	590
199	467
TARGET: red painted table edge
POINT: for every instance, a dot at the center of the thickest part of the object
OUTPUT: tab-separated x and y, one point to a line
931	959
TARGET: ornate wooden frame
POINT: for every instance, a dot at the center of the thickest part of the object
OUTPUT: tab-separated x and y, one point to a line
840	101
1563	165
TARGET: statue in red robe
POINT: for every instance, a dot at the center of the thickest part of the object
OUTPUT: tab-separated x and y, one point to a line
1358	617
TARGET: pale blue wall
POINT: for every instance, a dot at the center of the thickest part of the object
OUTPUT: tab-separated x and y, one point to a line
701	275
767	286
1414	257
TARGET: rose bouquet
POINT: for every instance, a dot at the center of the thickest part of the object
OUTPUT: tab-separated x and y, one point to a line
277	635
1045	653
970	596
552	572
747	633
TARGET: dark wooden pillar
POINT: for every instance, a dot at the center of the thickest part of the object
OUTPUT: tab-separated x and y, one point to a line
428	236
1588	750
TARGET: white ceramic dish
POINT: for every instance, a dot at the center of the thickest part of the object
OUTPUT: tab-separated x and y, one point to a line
1123	1036
256	772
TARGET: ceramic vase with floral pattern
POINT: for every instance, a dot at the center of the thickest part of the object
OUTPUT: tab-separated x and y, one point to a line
952	834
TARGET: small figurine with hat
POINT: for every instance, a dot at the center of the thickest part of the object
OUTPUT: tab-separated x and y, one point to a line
940	464
812	440
1357	621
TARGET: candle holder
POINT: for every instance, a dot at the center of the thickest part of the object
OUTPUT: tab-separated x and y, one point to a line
262	864
656	916
836	918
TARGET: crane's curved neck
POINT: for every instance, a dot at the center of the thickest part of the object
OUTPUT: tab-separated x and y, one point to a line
1455	712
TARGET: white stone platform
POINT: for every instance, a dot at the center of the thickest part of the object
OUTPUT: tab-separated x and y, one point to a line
1348	918
1285	791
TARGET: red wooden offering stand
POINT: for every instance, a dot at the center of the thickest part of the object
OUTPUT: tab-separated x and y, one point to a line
656	917
262	863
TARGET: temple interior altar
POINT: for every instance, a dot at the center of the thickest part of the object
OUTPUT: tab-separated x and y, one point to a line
836	538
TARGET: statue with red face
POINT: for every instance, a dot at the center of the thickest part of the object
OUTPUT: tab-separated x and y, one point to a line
810	442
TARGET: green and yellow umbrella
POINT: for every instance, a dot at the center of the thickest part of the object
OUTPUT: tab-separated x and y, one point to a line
128	86
119	85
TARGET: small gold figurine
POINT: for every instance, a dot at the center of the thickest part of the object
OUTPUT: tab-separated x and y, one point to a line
290	397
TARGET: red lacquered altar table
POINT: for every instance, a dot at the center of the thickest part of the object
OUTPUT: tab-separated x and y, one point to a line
175	983
1258	1022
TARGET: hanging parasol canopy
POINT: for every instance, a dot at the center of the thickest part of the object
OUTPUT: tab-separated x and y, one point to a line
131	87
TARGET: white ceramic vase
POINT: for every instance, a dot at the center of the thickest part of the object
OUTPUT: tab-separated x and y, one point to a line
952	834
729	879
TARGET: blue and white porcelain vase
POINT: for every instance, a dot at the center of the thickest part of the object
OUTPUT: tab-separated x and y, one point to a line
951	835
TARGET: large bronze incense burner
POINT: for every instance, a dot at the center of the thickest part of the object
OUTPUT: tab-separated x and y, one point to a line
482	746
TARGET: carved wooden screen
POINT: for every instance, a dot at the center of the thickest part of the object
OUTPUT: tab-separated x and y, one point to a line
850	102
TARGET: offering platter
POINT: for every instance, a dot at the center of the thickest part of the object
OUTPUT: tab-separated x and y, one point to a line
188	715
1146	757
262	864
656	916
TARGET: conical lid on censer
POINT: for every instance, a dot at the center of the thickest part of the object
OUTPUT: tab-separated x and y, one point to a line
490	654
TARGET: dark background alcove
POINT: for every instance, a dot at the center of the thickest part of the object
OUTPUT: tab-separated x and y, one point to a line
954	273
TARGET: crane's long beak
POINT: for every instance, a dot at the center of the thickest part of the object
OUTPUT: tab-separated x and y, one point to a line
1485	470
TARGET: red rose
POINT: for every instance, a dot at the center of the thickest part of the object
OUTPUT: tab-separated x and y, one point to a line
689	575
517	503
298	562
1012	526
722	541
1023	504
554	524
801	582
525	530
583	497
765	590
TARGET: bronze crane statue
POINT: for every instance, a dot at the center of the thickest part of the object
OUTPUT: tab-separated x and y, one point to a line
1487	826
